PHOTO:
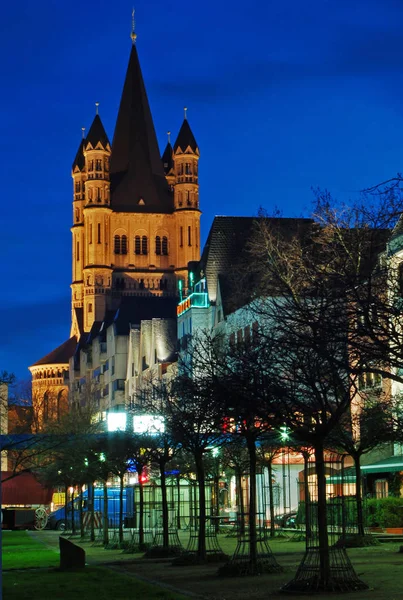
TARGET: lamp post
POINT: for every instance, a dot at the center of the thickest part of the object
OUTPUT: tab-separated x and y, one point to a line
284	436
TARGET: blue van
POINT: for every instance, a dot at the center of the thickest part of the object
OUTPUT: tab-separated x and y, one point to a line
57	519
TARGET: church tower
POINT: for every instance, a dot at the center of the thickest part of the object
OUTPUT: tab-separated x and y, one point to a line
136	214
135	226
186	194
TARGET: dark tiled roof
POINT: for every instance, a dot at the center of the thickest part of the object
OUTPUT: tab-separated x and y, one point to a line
134	309
185	138
136	168
79	159
167	159
398	228
60	355
79	312
227	247
97	133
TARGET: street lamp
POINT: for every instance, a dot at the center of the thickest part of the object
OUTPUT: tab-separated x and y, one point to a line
284	436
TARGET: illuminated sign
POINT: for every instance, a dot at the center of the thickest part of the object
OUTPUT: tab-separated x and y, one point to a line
117	421
148	424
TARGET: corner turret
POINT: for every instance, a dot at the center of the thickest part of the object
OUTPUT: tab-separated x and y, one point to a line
186	156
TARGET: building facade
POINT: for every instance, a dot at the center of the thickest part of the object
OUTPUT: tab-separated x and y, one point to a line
136	226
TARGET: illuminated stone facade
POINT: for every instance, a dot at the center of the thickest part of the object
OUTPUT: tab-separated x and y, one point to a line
135	229
133	234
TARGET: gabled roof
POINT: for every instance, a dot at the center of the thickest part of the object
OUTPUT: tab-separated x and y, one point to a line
136	169
97	133
166	159
60	355
225	249
79	160
185	138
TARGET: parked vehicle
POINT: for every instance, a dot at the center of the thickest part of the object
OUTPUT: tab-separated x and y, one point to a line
287	520
57	519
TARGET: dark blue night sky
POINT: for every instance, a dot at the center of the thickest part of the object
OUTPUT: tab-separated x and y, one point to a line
282	96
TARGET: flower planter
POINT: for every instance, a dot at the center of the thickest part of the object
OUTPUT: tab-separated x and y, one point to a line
396	530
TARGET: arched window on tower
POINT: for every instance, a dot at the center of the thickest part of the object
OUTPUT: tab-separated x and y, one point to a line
120	244
188	198
144	245
180	202
165	246
98	165
99	199
158	245
137	245
188	169
124	244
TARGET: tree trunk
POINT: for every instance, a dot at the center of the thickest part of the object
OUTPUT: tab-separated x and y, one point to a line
241	504
308	528
121	509
271	499
105	521
178	514
164	500
192	521
141	508
91	492
358	497
324	558
66	506
252	506
201	546
217	502
73	521
80	508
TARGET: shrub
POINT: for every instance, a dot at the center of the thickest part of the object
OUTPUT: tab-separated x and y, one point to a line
389	512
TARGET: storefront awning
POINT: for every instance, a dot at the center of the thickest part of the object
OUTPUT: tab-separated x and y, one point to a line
392	464
347	477
387	465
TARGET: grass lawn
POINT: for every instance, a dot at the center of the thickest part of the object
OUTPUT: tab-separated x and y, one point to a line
91	583
20	551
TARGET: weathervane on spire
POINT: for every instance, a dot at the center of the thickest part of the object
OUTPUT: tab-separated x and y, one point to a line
96	108
169	137
133	34
186	112
83	132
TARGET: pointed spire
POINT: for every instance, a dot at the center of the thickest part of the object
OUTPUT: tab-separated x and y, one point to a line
185	137
167	157
97	132
79	160
136	169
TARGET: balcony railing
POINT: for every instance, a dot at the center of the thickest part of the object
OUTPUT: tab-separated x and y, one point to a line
195	300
